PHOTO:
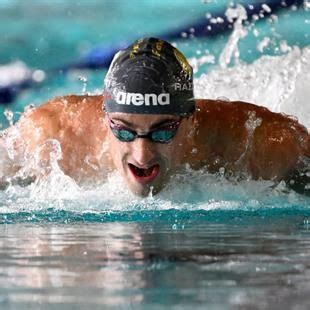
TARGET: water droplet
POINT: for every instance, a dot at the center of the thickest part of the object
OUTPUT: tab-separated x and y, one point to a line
222	98
266	8
9	116
38	76
84	80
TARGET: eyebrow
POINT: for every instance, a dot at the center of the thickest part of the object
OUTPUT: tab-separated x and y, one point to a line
156	125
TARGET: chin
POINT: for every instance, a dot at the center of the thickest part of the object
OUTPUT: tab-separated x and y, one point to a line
145	182
144	191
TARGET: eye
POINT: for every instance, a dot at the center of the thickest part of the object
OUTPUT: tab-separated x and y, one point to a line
123	135
126	134
162	135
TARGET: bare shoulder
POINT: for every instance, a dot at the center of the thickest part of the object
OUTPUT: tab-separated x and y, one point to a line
234	113
239	108
52	114
230	115
269	144
57	117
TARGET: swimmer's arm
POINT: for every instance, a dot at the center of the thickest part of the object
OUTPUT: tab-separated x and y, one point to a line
278	148
281	151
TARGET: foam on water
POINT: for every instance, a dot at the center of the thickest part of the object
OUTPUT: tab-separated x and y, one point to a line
191	195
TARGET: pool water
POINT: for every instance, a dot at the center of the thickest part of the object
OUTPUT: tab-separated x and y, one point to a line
243	262
204	241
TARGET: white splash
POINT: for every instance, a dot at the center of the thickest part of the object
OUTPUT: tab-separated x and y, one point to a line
190	190
280	83
231	49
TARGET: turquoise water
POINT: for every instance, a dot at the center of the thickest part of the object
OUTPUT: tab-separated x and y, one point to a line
56	42
255	264
204	242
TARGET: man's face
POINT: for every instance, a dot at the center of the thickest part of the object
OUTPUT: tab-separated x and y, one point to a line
146	165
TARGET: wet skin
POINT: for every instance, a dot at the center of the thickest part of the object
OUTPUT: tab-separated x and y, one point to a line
244	139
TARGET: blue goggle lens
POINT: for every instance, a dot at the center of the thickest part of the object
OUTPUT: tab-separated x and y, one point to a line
124	135
162	136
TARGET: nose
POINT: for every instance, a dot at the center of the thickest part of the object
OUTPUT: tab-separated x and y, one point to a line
143	151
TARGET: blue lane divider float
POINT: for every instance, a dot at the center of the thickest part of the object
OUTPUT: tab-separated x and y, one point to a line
101	55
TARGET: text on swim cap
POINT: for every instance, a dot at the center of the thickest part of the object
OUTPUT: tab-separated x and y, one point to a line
185	86
138	99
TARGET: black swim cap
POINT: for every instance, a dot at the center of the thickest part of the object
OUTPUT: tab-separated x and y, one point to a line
149	77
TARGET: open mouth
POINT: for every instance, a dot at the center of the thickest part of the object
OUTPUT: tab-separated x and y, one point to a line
144	175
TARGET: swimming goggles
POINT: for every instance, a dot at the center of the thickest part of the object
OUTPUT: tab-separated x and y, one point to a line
163	134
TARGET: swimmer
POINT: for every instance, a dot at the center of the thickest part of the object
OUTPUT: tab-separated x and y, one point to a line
148	126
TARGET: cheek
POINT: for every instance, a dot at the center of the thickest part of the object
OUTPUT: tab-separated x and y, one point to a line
171	154
117	149
175	152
